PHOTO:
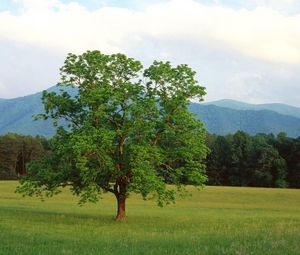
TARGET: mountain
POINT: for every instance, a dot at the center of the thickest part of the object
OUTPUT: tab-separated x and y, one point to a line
16	116
221	120
238	105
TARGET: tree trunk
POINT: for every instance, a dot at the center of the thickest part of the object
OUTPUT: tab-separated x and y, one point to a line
121	215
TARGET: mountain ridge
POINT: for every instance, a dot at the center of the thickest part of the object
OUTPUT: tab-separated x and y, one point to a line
222	120
16	116
239	105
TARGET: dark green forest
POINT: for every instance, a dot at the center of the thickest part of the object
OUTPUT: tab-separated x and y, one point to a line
18	150
239	159
256	161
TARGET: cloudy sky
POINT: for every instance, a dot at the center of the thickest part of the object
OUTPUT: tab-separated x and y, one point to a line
246	50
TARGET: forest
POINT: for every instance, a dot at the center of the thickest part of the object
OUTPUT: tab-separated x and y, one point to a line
16	151
255	161
239	159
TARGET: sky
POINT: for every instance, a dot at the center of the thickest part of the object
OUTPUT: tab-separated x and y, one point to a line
244	50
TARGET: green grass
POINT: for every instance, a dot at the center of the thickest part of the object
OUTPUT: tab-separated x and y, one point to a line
216	220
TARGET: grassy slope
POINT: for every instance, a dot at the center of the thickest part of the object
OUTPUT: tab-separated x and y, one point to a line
217	220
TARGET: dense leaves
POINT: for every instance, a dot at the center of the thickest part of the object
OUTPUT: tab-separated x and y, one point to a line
129	130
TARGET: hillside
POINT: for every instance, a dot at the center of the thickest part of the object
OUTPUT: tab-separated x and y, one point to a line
221	120
238	105
16	116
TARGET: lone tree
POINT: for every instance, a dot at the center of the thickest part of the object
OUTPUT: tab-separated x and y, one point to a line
129	131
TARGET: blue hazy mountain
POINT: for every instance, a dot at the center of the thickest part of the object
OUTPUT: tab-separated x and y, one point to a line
227	117
238	105
16	116
222	121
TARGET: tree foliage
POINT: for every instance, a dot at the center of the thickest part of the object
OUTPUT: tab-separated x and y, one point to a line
129	131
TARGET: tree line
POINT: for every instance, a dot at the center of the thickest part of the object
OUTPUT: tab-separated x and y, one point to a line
16	151
234	160
256	161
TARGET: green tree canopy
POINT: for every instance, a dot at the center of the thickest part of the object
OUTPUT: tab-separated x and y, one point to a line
129	130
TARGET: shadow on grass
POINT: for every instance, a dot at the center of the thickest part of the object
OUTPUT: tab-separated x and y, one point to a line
43	215
37	215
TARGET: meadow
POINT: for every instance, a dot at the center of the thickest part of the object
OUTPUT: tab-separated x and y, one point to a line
215	220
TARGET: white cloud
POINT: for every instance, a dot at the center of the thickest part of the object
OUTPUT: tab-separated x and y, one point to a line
275	3
245	54
26	69
260	33
2	87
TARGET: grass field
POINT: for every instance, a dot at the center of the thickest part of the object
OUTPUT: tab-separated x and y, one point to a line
216	220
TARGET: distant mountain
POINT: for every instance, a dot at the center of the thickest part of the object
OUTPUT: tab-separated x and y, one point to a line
238	105
221	120
16	116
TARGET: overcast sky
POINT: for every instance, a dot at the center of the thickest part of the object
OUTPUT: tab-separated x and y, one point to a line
246	50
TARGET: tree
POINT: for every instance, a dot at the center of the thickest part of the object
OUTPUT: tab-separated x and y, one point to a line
240	150
269	168
289	149
9	148
219	161
128	130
